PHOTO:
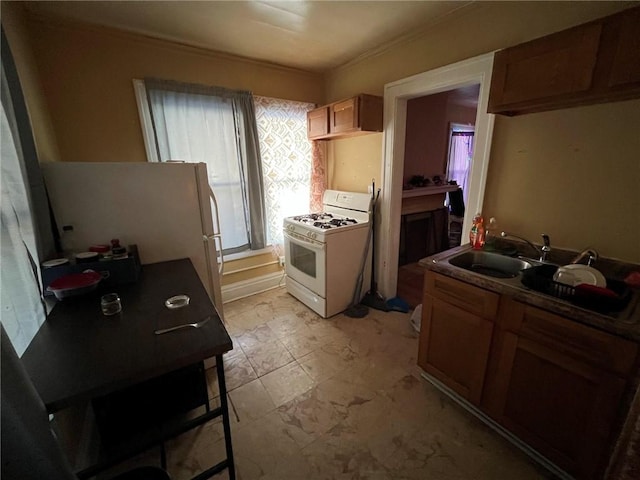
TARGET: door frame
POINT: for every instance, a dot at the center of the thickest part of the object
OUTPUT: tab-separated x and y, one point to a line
476	70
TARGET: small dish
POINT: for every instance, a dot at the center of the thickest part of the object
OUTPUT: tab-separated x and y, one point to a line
56	262
177	301
576	274
86	257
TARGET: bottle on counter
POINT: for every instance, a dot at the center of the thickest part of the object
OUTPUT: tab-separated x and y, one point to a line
477	234
117	250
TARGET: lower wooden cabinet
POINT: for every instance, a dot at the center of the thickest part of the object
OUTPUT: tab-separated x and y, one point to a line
557	385
455	334
554	383
454	347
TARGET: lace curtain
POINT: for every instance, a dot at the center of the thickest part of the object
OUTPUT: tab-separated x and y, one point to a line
286	160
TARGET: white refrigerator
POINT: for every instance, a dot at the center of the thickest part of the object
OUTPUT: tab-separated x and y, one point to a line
167	209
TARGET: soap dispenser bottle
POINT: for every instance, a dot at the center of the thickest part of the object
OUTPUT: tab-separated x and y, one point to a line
476	236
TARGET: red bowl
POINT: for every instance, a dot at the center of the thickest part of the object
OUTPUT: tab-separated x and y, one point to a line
74	284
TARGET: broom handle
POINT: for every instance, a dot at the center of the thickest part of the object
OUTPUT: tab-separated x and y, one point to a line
373	240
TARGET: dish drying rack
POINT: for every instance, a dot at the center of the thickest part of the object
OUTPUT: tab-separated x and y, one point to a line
610	300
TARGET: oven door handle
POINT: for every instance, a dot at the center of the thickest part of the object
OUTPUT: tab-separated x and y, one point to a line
306	241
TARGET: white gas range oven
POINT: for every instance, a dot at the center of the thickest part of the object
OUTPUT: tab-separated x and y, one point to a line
324	252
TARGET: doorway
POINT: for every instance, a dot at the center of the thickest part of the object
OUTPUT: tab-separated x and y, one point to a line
438	144
475	71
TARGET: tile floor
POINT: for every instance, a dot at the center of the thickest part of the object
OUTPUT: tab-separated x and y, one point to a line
337	398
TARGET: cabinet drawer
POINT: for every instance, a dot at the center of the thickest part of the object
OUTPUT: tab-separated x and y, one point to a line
596	348
468	297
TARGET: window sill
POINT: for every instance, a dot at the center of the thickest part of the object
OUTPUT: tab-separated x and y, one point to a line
249	253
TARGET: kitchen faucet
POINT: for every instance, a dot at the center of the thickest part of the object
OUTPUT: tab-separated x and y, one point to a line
542	251
590	252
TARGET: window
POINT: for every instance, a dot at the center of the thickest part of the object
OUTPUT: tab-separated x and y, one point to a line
205	124
215	126
460	156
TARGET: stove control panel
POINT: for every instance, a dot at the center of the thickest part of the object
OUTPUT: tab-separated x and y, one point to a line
301	230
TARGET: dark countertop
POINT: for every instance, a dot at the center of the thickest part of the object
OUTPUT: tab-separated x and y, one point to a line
625	323
78	353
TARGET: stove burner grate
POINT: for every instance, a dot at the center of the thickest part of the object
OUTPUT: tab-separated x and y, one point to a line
324	221
313	217
339	222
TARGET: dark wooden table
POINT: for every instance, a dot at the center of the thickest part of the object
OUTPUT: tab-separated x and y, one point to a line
79	354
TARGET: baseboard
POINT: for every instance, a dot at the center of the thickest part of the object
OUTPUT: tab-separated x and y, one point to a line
246	288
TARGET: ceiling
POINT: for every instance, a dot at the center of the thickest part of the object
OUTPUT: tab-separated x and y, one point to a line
310	35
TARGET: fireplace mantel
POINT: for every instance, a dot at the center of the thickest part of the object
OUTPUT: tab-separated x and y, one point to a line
419	192
425	199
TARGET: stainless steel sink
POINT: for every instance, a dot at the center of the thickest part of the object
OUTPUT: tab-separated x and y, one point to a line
490	264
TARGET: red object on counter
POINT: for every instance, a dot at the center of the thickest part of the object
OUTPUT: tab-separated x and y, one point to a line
633	279
586	289
116	249
74	284
99	248
477	234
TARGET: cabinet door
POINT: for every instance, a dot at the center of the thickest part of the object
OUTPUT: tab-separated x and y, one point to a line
544	390
560	406
625	68
454	347
552	66
344	116
317	122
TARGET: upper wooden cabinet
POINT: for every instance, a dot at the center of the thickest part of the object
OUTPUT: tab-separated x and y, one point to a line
318	122
592	63
353	116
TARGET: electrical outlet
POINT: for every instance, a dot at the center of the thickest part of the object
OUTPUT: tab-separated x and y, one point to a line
370	189
281	259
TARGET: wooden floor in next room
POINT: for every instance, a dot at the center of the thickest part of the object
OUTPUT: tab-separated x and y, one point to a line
410	279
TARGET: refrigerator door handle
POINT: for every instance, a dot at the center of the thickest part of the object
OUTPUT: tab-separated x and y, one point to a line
217	240
217	235
215	213
219	249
